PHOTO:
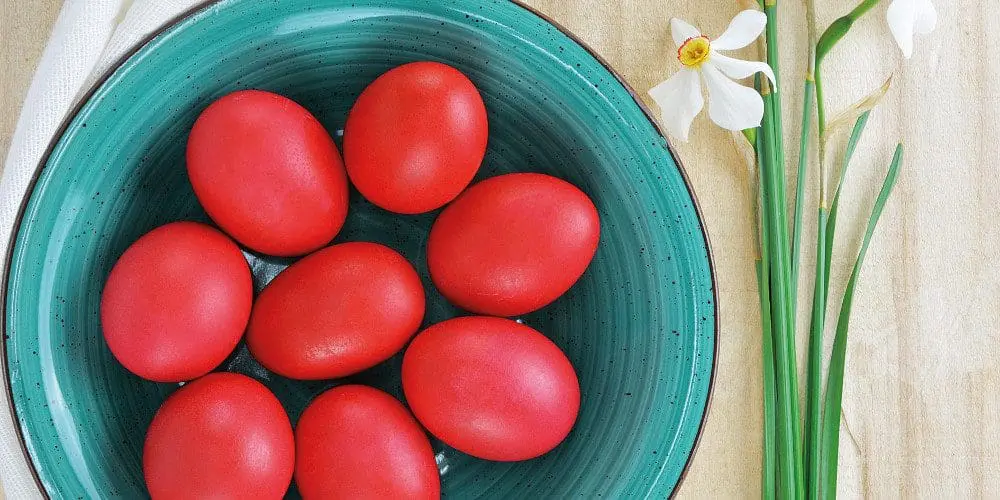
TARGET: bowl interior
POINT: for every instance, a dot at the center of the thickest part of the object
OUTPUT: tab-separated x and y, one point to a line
639	327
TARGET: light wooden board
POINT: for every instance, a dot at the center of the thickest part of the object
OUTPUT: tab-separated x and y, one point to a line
24	29
923	380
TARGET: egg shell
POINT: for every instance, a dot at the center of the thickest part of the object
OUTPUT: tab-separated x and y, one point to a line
268	173
355	441
224	435
512	244
337	311
415	137
491	387
176	302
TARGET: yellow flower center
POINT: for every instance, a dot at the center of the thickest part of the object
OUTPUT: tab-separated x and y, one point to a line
694	51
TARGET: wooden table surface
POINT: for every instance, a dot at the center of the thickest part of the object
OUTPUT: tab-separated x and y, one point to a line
923	380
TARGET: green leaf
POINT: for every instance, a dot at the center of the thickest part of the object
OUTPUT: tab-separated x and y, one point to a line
835	375
852	144
826	230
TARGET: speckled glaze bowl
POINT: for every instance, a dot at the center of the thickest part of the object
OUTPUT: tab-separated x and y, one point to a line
640	326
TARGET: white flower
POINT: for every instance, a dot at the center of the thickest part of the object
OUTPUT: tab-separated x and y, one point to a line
907	17
730	105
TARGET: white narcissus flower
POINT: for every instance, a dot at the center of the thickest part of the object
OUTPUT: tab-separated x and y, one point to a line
730	105
907	17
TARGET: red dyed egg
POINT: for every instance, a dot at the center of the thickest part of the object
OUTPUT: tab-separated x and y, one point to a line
268	173
415	137
512	244
221	436
354	441
336	312
176	303
491	387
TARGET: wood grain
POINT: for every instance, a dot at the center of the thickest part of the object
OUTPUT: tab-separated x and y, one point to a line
923	377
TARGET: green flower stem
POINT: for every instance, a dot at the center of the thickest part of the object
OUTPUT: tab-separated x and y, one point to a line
768	467
786	456
824	249
773	59
814	360
808	102
775	228
839	27
819	439
838	359
814	366
833	34
808	90
768	490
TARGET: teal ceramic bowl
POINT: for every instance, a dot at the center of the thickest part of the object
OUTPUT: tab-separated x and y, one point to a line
640	327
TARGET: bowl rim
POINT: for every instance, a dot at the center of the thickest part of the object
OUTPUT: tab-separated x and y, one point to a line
85	97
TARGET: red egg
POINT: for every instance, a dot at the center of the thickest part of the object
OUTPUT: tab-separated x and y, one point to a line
491	387
512	244
336	312
221	436
354	441
268	173
415	137
176	303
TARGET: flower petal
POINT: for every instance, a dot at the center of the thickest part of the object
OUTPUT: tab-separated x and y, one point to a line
926	17
901	17
680	100
682	31
742	31
738	69
731	105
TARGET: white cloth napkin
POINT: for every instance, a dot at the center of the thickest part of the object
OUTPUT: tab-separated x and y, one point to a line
89	36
